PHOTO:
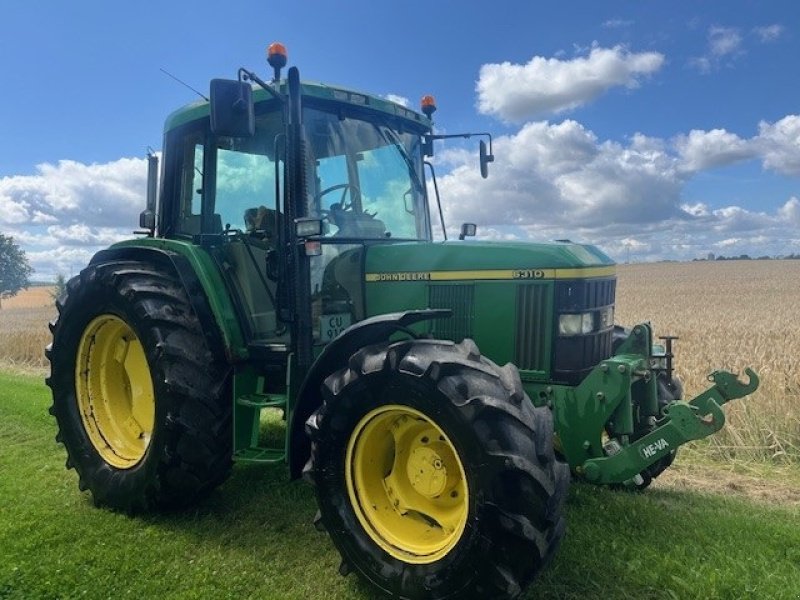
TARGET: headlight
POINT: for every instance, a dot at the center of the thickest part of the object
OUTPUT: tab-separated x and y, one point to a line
606	317
575	324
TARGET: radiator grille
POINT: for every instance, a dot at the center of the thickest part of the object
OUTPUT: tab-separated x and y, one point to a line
584	293
459	299
531	350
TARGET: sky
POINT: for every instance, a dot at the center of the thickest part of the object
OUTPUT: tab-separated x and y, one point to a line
657	130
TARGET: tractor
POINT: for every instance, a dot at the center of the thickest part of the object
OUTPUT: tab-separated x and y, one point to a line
286	265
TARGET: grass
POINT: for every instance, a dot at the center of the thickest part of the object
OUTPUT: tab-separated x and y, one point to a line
253	537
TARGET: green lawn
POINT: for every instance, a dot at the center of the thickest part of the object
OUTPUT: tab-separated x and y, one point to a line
253	537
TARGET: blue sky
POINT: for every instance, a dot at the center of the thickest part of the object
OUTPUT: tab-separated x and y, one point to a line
656	129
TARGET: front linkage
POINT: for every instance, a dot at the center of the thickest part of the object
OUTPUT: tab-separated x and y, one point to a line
616	424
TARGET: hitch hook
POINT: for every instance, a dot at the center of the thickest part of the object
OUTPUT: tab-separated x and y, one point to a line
729	385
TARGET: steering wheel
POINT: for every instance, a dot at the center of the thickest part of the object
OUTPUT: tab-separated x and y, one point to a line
340	186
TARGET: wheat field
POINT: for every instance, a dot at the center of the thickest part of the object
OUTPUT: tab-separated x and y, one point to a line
23	328
728	315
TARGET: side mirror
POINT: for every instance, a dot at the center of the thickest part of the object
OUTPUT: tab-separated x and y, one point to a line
468	229
486	158
147	218
232	110
427	146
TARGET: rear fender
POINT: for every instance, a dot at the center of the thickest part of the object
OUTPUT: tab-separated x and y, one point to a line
180	265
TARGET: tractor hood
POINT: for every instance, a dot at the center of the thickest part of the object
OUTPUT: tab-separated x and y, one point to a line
459	260
503	295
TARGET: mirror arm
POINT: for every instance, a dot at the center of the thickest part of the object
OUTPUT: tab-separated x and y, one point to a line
464	136
438	201
245	75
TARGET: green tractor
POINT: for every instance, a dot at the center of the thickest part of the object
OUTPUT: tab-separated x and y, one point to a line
288	265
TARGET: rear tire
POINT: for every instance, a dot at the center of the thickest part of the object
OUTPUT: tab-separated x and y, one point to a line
140	400
434	473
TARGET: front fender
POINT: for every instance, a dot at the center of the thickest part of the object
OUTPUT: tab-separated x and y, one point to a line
334	357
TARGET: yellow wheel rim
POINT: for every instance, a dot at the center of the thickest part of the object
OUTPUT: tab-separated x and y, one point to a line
114	391
407	484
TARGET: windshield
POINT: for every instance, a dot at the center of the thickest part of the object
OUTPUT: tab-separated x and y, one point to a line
364	178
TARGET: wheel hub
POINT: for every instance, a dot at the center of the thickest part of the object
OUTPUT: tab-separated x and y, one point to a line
426	472
114	391
407	484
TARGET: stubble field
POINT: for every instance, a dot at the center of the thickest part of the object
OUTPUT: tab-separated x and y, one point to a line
728	315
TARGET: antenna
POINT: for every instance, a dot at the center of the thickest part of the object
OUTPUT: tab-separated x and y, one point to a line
183	83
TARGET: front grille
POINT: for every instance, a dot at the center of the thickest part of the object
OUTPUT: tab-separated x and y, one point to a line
580	294
575	356
530	351
459	299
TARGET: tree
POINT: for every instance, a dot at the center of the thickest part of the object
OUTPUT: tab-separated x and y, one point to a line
14	268
59	286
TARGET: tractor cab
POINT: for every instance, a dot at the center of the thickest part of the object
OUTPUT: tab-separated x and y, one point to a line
357	171
285	185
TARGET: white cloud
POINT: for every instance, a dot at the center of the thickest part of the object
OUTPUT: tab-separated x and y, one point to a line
12	212
696	210
550	85
70	192
558	180
791	211
561	174
702	150
723	43
723	40
727	243
66	212
769	33
64	260
84	235
779	144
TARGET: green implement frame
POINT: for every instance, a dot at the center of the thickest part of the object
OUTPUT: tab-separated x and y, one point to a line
617	397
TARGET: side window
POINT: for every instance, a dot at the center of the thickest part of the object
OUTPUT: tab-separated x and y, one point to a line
246	171
190	193
197	180
245	189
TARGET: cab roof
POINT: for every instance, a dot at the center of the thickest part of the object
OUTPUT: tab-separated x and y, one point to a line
198	110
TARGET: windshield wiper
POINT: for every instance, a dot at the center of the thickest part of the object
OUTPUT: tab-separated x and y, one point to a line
390	136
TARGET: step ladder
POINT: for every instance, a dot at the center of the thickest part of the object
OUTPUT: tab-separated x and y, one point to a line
247	426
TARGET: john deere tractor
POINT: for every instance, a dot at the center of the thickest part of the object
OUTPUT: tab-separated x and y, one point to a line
286	264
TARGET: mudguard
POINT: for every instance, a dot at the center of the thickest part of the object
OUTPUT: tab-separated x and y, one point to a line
335	356
180	265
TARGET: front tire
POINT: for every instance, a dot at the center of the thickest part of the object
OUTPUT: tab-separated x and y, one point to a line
435	475
140	400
